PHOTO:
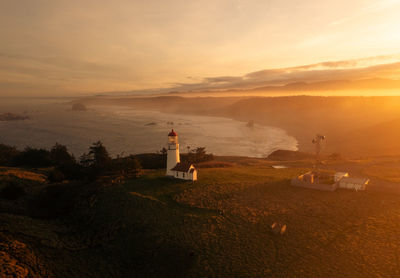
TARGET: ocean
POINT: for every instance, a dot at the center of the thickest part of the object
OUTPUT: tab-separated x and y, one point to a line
127	131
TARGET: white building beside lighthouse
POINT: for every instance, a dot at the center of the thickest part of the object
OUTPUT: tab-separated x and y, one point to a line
175	168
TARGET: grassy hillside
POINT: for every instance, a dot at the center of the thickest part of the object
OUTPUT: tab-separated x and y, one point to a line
154	226
377	139
22	174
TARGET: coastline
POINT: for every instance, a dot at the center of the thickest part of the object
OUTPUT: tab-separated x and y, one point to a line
198	128
124	129
216	111
345	121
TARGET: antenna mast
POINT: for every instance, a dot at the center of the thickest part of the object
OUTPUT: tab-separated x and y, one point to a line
317	142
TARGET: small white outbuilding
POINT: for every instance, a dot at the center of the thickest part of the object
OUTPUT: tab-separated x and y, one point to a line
339	175
185	171
353	183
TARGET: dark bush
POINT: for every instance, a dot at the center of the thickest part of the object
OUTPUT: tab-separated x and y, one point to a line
284	155
56	175
8	155
34	158
215	164
12	191
126	166
198	155
71	171
59	155
151	160
55	201
96	162
65	162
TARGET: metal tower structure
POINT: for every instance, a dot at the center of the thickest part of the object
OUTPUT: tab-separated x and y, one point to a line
317	142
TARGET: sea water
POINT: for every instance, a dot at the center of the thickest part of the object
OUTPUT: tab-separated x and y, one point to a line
127	131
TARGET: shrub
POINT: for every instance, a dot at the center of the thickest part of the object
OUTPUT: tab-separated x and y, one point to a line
12	191
55	175
71	171
59	155
54	201
151	160
126	166
97	161
34	158
198	155
8	155
65	162
215	164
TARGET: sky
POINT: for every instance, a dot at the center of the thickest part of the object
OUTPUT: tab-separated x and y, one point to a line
51	48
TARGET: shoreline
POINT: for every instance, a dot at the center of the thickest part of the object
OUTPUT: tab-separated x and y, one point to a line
356	127
300	140
213	122
125	129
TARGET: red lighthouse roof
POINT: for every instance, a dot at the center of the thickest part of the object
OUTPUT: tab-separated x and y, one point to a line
172	133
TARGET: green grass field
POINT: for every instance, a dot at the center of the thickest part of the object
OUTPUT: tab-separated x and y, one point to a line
219	226
224	221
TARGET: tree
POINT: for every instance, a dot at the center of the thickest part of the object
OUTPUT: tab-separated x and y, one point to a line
100	157
199	155
59	155
133	167
96	161
64	163
85	160
163	151
200	152
8	155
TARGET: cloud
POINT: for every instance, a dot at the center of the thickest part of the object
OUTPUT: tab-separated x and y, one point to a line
343	64
224	79
354	69
23	73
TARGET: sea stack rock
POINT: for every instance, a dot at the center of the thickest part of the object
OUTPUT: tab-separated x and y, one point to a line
78	107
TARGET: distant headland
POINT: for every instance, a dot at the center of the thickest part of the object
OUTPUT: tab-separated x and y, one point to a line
5	117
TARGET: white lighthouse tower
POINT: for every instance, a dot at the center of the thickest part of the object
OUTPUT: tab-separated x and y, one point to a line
173	157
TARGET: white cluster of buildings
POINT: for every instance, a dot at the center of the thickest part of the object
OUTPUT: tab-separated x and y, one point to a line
326	181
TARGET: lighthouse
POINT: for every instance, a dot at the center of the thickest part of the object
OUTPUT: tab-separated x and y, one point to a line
173	157
175	168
